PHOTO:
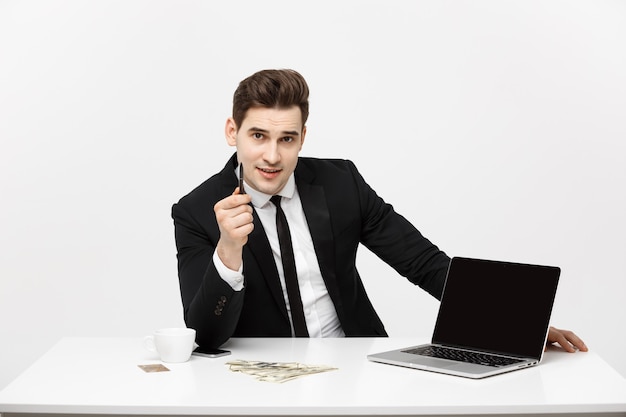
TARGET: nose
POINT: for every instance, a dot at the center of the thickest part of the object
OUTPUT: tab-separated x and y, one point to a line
271	154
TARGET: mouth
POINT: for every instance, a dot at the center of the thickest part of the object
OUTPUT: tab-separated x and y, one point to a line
269	173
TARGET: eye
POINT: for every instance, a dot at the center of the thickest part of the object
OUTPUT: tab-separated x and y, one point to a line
288	139
257	135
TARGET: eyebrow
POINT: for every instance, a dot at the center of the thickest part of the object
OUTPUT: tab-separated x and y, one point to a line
264	131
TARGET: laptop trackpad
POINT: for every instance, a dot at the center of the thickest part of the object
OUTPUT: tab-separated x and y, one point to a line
424	361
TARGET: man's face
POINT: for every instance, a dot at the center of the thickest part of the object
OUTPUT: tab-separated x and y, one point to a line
268	143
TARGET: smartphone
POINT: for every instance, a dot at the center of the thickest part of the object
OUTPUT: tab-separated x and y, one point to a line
210	352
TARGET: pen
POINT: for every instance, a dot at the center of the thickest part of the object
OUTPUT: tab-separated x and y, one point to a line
241	189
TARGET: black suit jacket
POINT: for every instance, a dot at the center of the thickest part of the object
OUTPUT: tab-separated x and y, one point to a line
342	211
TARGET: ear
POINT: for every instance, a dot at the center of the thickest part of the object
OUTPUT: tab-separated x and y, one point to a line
302	137
230	130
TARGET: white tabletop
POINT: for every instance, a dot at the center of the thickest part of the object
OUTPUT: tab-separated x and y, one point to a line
101	376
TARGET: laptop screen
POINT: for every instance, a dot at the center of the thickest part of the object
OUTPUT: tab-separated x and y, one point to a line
496	306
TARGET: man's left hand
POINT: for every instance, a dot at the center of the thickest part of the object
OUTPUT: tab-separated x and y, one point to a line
566	339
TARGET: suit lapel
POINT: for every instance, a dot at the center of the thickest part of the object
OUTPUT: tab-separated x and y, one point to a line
313	198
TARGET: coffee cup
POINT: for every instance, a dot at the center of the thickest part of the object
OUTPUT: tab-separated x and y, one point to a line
173	344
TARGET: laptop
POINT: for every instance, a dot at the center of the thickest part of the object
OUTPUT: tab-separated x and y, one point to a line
493	318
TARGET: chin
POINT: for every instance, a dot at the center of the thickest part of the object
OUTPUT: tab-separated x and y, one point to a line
271	190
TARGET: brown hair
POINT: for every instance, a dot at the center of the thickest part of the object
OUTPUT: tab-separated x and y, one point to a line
281	88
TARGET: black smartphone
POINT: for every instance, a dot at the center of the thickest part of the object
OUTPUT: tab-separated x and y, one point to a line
210	352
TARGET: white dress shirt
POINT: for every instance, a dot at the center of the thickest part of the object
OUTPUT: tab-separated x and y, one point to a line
319	310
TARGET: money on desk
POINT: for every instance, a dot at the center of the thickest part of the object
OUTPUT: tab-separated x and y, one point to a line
276	371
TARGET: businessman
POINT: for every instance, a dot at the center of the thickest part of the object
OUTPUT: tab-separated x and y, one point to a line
267	247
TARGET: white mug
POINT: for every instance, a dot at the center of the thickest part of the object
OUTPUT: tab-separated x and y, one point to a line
173	344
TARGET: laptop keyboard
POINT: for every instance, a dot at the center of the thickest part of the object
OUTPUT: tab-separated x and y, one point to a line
462	356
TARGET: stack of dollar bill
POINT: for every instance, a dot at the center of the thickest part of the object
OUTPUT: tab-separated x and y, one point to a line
276	371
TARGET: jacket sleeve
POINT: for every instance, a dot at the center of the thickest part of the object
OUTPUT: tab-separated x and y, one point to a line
398	243
210	305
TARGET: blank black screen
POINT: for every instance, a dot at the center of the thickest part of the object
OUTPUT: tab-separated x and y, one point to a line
497	306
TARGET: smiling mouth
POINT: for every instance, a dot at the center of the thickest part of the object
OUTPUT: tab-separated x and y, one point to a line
270	170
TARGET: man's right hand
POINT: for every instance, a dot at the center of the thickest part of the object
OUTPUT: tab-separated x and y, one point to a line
234	218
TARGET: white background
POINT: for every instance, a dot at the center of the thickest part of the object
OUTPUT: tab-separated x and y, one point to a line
497	127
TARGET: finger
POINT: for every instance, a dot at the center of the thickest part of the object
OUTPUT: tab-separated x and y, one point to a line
565	344
561	339
556	336
240	233
233	211
568	340
235	223
575	341
233	200
242	220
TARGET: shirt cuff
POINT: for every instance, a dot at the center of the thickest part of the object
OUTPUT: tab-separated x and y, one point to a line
233	278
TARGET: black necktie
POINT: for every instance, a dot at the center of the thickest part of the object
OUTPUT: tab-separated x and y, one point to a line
289	268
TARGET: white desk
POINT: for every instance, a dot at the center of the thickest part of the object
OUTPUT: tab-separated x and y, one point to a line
101	376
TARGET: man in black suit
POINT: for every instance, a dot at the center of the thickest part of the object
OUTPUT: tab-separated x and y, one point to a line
230	263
